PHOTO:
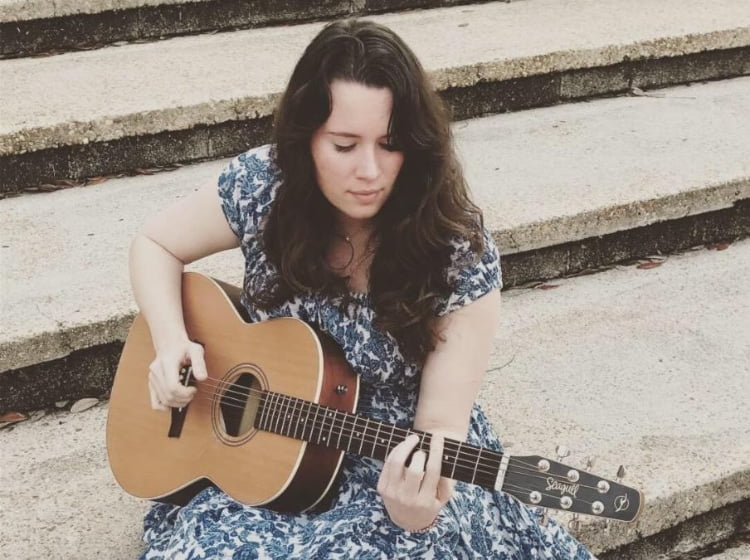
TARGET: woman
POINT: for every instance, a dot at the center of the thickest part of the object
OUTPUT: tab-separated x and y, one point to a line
356	220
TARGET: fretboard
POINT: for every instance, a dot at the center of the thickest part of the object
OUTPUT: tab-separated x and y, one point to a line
320	425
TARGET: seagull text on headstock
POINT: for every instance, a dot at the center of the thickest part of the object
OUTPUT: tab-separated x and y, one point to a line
563	488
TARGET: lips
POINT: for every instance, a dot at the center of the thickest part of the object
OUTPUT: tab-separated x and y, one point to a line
365	196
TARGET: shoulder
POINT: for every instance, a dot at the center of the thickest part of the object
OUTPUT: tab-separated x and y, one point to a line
472	273
247	187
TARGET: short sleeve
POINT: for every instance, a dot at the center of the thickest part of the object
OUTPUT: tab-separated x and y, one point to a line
470	275
246	189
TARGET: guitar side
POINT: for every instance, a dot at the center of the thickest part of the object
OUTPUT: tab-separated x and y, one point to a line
255	467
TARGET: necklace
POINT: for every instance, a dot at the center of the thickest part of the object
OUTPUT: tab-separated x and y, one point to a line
351	264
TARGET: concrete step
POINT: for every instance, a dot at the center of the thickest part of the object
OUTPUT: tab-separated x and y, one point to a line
646	368
33	27
203	97
741	552
563	188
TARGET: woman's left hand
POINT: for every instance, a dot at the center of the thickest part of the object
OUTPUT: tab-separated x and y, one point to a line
414	494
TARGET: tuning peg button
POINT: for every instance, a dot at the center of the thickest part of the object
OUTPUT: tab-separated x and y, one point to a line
562	452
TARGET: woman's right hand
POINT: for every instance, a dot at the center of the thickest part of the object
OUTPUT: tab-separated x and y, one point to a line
164	374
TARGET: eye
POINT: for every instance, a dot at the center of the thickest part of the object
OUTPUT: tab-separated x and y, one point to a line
348	148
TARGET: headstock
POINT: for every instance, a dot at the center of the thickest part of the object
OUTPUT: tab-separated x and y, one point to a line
542	482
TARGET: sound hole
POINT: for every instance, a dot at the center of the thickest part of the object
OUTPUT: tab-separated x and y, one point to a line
239	404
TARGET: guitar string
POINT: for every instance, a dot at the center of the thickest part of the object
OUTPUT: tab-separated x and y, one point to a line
529	467
553	496
468	460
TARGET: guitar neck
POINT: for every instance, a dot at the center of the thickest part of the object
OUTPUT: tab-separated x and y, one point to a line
307	421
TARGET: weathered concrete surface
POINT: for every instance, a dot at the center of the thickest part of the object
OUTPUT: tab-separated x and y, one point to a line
543	178
738	553
188	81
21	10
649	368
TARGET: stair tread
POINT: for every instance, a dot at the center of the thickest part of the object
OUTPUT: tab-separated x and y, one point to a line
542	177
174	84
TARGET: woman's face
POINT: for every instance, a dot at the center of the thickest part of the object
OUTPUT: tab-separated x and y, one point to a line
354	163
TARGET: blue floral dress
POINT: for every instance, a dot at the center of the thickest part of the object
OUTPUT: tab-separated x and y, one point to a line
475	524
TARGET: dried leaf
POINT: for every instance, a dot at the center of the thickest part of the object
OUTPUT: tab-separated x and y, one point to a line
649	264
84	404
11	417
717	246
640	93
549	286
96	180
61	404
143	171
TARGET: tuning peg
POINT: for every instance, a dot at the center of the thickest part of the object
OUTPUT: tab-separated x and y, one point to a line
562	452
620	474
590	462
544	517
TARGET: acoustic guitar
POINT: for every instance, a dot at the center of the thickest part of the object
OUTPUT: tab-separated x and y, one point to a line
271	424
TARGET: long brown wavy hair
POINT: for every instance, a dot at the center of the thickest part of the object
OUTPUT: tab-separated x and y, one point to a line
428	208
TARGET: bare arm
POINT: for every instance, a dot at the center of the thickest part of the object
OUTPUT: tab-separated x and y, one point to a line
415	494
453	371
192	228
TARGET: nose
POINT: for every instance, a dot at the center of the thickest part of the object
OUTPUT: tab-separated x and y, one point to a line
368	167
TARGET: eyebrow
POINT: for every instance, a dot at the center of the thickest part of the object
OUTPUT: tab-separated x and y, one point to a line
350	135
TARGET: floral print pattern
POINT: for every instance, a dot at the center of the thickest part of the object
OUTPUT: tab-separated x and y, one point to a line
475	524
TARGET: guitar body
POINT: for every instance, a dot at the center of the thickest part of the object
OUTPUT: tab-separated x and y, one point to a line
170	456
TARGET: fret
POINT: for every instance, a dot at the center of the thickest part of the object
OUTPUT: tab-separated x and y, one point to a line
476	464
362	439
341	429
306	421
455	460
315	423
331	417
285	415
351	433
269	415
293	415
294	421
277	411
375	441
260	418
390	439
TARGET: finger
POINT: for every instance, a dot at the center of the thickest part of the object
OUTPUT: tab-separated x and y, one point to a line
414	473
416	464
198	362
153	394
155	379
174	390
434	463
401	452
